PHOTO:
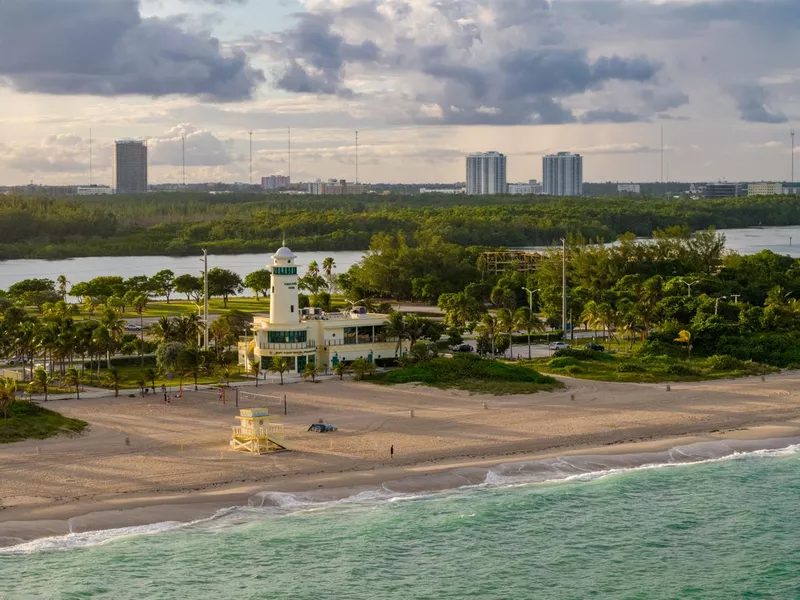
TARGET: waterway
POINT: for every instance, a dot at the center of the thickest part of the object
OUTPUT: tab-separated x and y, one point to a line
781	240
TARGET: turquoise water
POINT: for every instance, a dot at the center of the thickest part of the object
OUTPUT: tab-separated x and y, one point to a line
728	528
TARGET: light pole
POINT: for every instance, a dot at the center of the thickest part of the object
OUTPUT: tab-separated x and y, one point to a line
689	286
716	304
564	287
530	297
736	298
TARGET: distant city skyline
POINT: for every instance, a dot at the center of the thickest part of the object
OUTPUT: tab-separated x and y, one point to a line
525	78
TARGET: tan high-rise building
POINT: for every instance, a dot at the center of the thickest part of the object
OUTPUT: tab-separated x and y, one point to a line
130	167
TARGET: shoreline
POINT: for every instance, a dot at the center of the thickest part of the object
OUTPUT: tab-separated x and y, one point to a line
28	522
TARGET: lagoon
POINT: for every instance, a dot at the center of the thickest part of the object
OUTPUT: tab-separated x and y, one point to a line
781	240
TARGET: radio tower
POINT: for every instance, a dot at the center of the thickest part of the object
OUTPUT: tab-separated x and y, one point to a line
356	157
791	133
91	178
289	174
183	158
251	158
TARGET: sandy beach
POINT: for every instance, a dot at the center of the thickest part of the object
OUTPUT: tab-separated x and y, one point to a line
143	461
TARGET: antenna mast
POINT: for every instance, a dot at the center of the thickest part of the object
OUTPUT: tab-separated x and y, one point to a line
91	176
662	154
251	158
356	157
183	158
791	132
289	174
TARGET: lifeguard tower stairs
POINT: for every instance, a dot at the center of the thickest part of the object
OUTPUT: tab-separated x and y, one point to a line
255	434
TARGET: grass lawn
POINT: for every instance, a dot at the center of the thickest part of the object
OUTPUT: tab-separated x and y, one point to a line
473	374
29	421
130	378
602	366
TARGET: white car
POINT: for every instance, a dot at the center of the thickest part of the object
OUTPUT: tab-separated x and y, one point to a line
132	327
559	346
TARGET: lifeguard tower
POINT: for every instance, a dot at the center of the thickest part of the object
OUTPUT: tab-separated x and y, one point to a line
255	433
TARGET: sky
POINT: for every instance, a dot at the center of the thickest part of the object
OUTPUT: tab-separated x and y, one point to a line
424	82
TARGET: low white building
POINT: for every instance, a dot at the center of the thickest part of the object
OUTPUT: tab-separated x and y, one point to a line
443	191
311	335
532	188
629	188
94	190
764	188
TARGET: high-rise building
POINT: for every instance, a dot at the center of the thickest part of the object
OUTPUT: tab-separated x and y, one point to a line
486	174
275	182
563	174
130	167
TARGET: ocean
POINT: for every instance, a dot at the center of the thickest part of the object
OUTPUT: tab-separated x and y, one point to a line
699	521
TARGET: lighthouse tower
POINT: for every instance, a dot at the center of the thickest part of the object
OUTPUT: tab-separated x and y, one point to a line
283	308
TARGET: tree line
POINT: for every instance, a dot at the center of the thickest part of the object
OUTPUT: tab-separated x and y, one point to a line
182	224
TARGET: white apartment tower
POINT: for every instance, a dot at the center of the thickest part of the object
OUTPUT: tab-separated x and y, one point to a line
130	167
486	174
563	174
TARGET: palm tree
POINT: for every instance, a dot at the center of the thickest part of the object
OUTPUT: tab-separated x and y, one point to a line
490	327
528	321
190	362
311	371
592	317
163	330
8	394
112	379
187	328
25	342
328	265
279	365
313	269
102	341
362	367
73	377
62	287
341	369
397	329
255	369
685	337
505	323
140	305
150	375
41	381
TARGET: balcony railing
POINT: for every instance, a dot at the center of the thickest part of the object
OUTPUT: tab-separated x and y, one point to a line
357	342
287	346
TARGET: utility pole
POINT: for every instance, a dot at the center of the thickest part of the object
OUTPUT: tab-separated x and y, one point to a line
205	298
564	287
251	158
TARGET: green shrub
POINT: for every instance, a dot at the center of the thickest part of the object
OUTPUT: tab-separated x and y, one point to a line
574	370
725	362
440	371
630	368
581	354
562	362
681	370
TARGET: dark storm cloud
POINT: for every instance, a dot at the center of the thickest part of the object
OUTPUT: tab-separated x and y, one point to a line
610	116
751	101
107	49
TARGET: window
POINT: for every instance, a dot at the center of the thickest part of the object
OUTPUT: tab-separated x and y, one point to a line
291	308
288	337
365	335
284	270
350	335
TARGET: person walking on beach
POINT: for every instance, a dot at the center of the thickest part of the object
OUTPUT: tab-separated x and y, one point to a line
164	391
391	451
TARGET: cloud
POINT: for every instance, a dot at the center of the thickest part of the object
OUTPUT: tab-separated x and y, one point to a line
457	62
203	148
610	116
108	49
751	101
63	153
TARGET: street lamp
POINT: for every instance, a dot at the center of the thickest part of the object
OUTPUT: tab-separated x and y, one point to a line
530	296
716	304
689	285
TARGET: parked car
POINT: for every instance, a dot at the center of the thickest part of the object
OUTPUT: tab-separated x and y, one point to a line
463	348
595	347
132	327
559	346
